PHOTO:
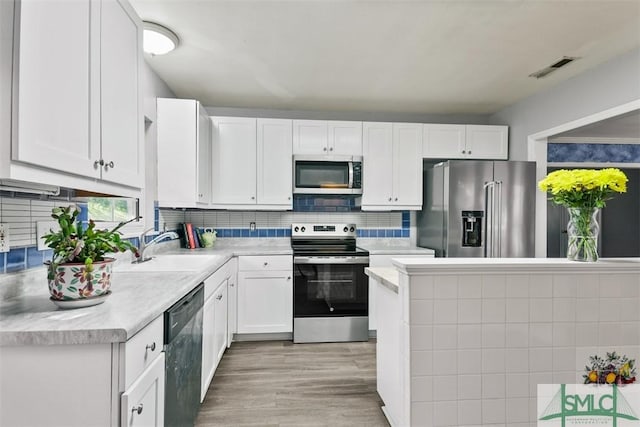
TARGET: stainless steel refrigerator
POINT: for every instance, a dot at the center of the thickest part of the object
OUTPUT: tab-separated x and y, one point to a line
478	209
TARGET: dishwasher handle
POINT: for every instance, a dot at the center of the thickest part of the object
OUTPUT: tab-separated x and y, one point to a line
181	313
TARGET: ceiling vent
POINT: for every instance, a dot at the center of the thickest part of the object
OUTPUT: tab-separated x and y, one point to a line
553	67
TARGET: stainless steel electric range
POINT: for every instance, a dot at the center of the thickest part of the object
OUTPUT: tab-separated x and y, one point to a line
330	288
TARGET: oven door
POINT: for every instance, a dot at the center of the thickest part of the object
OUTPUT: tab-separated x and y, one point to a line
330	286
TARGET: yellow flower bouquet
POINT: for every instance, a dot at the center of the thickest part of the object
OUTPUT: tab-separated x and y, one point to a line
583	192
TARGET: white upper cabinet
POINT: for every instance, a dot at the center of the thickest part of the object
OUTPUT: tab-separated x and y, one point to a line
77	100
184	153
488	142
121	100
252	163
392	166
465	141
377	185
321	137
274	163
234	161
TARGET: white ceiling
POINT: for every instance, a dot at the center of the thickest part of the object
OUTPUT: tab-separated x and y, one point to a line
442	56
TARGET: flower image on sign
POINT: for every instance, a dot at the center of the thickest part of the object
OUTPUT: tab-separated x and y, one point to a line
588	404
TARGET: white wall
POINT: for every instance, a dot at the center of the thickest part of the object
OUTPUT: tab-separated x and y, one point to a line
479	119
152	87
608	85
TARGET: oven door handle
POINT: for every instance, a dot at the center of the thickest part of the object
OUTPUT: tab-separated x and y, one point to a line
331	260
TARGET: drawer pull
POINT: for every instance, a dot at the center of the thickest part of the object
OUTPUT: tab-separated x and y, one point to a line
266	263
137	409
151	347
219	297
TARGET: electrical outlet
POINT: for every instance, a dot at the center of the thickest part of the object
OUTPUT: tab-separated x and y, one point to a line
42	228
4	238
252	226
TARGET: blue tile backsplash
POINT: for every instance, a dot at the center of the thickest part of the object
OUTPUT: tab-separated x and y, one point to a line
315	203
604	153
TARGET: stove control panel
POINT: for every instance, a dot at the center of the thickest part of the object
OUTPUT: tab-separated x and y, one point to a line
323	230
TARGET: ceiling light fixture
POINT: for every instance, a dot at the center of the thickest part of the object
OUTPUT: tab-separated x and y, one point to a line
158	40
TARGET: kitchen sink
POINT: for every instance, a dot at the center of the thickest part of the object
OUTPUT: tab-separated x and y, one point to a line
171	263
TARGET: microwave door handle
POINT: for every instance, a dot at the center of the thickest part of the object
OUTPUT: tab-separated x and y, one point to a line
350	174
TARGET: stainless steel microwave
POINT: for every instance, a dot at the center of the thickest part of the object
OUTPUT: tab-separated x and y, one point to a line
327	175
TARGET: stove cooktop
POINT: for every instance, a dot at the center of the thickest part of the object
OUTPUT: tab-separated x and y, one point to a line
325	240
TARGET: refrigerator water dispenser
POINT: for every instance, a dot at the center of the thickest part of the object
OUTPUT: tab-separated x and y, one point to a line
472	228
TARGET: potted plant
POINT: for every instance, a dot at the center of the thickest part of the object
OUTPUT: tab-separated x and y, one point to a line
79	268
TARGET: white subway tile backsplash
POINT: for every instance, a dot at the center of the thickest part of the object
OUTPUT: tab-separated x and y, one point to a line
493	411
445	413
493	360
587	334
445	362
564	359
494	387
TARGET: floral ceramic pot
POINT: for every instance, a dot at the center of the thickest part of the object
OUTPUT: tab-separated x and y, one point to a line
74	281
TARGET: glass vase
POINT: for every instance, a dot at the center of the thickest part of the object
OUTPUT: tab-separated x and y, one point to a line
582	233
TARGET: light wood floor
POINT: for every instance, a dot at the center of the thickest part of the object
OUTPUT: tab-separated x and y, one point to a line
278	383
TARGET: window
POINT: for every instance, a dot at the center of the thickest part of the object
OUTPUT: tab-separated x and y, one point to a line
107	212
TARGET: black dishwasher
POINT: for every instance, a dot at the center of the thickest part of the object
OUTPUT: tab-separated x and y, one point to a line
183	355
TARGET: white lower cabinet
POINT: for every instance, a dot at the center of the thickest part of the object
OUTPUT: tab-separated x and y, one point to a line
214	325
143	403
265	294
71	385
232	299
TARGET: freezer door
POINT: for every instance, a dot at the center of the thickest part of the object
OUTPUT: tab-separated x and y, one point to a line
464	183
515	193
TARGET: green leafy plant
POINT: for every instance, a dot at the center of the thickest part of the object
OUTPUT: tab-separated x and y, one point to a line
75	244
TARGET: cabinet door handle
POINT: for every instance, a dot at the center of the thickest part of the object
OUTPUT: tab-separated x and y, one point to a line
390	199
109	165
469	151
395	200
151	347
98	163
219	297
266	263
330	148
288	277
253	197
463	151
231	284
324	149
137	409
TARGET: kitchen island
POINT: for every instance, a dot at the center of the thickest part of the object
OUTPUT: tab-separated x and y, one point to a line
466	341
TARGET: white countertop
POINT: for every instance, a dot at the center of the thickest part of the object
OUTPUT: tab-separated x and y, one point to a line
513	265
386	276
29	318
392	247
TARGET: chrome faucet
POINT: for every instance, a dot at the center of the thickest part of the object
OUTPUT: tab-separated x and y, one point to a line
144	246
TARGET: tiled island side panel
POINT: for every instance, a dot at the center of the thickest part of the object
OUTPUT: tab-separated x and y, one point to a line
479	344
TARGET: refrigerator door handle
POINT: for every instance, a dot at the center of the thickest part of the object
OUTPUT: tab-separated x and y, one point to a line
498	216
489	194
